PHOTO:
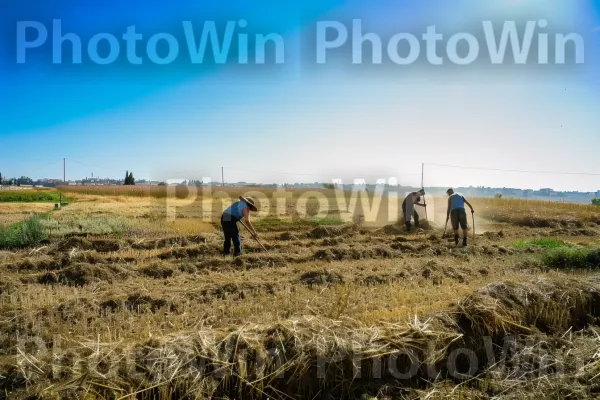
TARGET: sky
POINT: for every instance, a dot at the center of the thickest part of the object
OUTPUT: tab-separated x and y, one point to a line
301	121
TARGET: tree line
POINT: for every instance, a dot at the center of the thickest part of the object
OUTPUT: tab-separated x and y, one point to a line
16	181
24	180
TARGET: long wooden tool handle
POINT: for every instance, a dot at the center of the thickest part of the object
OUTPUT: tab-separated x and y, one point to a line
254	236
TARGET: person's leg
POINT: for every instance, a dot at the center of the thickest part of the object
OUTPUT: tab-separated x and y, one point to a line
237	241
464	224
416	217
406	221
454	220
408	214
227	232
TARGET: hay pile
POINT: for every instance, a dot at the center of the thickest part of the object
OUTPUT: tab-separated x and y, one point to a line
317	357
322	232
544	305
301	358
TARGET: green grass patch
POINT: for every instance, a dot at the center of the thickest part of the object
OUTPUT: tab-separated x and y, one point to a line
27	233
30	196
545	243
572	258
277	224
320	221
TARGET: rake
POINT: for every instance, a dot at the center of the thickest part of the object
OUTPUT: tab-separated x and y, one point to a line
473	219
425	204
255	238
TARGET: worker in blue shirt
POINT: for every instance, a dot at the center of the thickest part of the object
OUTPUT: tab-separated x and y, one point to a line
456	212
236	212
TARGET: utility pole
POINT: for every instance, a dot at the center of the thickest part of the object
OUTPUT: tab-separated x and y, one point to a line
222	176
64	181
423	187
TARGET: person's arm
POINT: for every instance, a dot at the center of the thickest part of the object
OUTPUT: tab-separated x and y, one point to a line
448	210
417	202
246	213
469	204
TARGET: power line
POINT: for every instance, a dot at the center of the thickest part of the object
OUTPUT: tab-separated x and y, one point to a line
45	166
516	170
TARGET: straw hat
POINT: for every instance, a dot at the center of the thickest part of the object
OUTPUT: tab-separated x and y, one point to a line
250	203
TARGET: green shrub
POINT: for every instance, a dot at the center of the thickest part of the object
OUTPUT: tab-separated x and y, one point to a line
23	234
572	258
596	202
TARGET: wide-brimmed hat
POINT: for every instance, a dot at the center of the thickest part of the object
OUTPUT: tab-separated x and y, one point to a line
250	203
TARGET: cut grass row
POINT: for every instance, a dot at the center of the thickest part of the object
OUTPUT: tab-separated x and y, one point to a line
40	227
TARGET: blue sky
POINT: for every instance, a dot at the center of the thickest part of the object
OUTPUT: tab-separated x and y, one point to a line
318	121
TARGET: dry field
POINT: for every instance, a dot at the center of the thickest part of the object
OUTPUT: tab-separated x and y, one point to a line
121	303
11	213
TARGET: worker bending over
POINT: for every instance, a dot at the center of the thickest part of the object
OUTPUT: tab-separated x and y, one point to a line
458	215
408	208
229	219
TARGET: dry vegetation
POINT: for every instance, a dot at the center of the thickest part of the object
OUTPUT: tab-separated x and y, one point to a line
11	213
122	303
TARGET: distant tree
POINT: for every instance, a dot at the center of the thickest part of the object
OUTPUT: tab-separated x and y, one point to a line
0	178
162	184
596	202
25	180
329	186
129	180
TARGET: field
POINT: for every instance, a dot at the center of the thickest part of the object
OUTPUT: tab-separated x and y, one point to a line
125	295
29	196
